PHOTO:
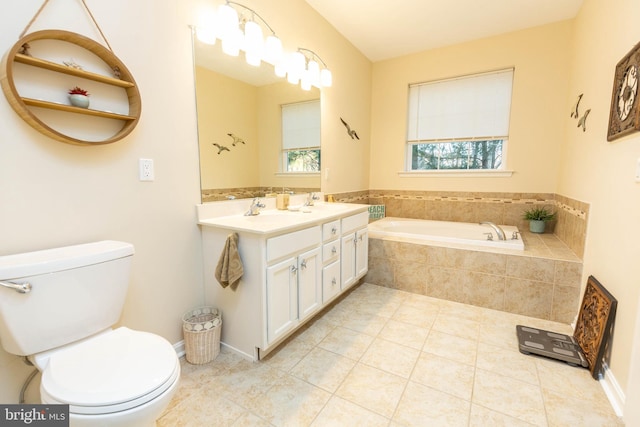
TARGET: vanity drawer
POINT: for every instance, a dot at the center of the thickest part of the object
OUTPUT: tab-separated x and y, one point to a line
330	281
331	230
331	251
354	222
280	246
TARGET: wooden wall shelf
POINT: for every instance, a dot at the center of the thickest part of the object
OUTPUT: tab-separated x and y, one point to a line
22	105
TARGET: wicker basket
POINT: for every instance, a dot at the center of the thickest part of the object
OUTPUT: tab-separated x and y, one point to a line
201	329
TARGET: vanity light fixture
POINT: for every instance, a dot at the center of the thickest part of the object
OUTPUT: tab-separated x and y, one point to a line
313	75
241	28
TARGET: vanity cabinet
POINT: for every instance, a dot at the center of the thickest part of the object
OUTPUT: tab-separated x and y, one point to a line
291	271
331	259
293	286
355	248
293	292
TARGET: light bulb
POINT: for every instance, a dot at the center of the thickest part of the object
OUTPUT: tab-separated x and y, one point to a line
227	21
273	50
206	29
313	69
280	68
295	67
326	79
232	41
253	43
305	80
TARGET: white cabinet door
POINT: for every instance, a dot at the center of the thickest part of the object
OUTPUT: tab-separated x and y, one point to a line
309	283
355	257
282	298
348	250
362	252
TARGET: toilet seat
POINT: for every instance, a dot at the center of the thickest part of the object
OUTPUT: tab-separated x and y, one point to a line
110	373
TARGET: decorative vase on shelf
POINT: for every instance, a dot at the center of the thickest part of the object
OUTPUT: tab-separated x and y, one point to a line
78	100
537	226
79	97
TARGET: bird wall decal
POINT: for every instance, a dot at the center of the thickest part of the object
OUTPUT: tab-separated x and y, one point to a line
236	139
583	120
221	148
352	133
574	112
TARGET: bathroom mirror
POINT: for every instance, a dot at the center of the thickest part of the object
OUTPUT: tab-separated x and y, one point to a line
239	127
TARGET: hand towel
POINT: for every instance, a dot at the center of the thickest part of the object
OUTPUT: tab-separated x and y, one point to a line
229	269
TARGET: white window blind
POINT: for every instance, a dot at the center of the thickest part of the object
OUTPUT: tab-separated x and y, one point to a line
472	107
301	125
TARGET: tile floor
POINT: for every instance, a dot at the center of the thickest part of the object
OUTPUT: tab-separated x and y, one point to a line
383	357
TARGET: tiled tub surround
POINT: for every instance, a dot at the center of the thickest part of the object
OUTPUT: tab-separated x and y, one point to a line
543	281
501	208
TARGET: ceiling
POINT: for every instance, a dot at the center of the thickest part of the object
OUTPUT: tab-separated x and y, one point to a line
388	29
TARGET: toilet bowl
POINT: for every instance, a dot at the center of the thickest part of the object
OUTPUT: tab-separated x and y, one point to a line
57	308
118	378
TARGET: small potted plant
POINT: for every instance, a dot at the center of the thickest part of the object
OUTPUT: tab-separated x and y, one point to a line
79	97
538	217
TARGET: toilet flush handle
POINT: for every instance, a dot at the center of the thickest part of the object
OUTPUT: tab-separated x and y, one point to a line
23	288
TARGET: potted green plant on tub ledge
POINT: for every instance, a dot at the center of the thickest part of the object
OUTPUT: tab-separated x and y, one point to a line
538	218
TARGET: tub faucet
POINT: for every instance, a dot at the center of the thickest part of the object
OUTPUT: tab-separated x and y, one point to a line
254	209
499	231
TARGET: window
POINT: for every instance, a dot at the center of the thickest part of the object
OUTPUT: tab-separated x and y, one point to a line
459	124
301	137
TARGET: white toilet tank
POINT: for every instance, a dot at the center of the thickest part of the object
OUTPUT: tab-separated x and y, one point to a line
76	291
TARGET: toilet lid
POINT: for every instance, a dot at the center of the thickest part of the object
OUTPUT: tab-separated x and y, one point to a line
112	372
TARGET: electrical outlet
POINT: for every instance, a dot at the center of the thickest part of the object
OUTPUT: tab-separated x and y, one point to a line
146	170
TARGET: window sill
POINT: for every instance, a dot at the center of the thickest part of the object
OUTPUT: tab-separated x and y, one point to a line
298	174
457	174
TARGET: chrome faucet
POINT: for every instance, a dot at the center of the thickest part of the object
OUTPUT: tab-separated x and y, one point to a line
499	231
311	198
254	209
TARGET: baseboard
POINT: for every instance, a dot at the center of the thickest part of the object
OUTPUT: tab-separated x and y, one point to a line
181	351
179	348
612	389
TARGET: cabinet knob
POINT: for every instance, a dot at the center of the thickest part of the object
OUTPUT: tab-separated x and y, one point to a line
333	281
334	250
294	269
334	230
303	264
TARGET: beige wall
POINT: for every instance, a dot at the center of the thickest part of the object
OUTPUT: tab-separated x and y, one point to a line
226	105
602	173
55	194
541	61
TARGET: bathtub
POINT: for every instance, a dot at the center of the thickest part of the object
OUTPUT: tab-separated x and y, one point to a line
444	232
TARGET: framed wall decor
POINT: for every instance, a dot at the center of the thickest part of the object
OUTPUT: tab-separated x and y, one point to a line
624	117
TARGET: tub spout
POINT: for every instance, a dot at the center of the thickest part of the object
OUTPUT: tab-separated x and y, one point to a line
499	231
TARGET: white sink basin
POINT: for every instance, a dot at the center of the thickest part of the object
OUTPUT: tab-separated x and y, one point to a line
270	221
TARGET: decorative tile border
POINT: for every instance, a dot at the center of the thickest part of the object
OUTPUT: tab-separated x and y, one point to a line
216	195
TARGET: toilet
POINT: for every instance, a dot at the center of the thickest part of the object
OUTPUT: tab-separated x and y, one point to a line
58	307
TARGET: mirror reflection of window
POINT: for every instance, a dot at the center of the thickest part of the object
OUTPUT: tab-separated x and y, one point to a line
301	137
